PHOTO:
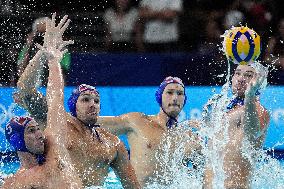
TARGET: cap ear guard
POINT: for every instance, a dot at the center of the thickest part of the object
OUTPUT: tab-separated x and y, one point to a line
72	102
14	132
18	143
158	96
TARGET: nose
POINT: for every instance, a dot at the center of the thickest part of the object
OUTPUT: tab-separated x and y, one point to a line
175	97
94	105
241	79
39	134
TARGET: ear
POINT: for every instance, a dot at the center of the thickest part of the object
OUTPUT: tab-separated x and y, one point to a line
158	96
185	99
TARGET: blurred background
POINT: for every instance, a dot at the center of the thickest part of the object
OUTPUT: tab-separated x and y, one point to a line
140	42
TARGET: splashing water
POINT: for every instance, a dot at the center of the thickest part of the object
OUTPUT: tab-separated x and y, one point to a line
266	172
214	123
171	171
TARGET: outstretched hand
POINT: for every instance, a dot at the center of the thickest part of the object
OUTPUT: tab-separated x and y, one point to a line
254	85
54	46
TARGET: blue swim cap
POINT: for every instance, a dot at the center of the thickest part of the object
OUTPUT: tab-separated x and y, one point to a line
75	95
163	85
14	132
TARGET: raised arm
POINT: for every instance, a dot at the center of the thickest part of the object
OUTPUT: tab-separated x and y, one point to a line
29	77
255	118
27	95
117	125
124	169
56	116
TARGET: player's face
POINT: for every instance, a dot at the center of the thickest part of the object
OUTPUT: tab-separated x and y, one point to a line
34	138
173	99
241	78
88	107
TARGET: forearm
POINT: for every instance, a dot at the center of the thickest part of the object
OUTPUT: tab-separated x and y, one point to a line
55	101
115	125
23	59
30	76
251	120
124	169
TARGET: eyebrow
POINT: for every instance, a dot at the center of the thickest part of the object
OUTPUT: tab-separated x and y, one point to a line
31	127
180	90
89	95
249	71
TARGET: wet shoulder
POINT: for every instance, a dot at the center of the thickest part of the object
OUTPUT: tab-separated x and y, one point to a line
73	123
136	117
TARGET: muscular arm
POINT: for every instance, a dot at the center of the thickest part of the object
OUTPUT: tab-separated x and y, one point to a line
124	169
29	78
255	120
27	95
117	125
56	117
23	58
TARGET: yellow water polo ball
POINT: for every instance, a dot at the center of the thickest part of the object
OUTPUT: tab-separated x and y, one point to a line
241	45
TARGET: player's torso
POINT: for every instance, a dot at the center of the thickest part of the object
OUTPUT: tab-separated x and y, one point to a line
147	143
91	153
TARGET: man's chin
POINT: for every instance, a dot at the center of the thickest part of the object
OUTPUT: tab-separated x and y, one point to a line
39	151
174	113
239	93
91	121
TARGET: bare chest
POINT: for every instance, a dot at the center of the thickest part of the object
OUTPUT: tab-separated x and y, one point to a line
90	151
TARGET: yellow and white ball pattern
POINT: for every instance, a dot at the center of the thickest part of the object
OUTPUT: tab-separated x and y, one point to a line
241	45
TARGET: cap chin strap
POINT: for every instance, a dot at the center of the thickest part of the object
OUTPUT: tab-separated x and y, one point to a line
40	158
172	120
235	102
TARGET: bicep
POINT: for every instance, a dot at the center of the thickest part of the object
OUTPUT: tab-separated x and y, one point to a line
116	125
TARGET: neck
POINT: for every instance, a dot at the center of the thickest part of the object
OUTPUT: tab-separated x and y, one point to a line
27	159
88	125
162	119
